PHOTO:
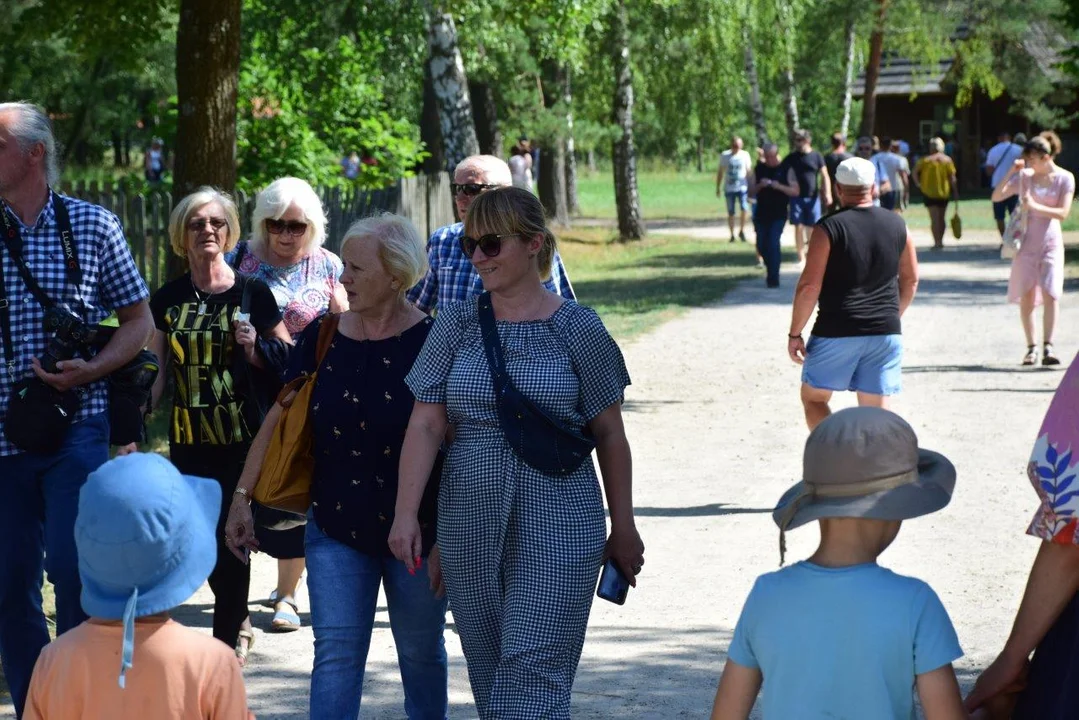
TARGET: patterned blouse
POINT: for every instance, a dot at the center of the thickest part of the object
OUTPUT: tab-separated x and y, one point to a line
302	290
1054	465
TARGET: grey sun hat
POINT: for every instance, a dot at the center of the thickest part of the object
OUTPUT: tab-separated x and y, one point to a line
865	462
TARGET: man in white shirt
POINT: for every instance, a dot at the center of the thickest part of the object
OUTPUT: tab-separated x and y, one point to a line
898	171
997	163
732	181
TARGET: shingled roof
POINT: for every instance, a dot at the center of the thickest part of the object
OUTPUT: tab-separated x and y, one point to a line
900	76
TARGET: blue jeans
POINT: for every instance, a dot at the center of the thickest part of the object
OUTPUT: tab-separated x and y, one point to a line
343	585
768	234
37	534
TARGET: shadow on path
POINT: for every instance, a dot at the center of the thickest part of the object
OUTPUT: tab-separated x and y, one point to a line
710	510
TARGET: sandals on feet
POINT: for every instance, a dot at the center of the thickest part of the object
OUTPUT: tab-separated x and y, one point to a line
243	651
286	618
1048	358
270	601
1031	357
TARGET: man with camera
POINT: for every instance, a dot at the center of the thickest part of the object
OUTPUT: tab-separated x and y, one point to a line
65	267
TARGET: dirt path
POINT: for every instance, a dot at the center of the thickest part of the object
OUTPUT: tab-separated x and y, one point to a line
716	428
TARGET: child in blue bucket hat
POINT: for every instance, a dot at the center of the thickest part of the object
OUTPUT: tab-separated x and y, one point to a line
837	635
145	538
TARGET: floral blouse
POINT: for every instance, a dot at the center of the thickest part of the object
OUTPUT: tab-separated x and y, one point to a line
1054	465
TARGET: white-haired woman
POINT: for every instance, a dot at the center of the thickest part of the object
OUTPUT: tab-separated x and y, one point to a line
288	228
200	337
360	410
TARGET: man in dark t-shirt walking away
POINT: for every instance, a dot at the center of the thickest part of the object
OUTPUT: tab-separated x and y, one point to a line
831	162
805	210
862	269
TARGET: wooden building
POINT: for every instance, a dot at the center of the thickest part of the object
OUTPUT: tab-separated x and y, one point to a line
916	103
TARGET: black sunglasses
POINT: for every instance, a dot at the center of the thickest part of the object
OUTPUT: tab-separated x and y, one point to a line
295	228
471	189
490	245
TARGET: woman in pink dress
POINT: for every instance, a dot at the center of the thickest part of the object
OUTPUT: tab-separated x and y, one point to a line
1037	277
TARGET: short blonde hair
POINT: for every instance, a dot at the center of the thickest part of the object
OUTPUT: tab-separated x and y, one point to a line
276	199
510	210
936	145
190	205
400	249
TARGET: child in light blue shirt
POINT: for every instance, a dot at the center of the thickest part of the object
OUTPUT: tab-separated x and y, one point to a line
838	636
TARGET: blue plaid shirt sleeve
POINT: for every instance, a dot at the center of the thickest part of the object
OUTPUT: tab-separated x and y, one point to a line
425	293
559	282
121	284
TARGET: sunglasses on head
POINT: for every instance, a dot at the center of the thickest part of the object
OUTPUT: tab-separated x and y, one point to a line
198	224
470	189
490	245
295	228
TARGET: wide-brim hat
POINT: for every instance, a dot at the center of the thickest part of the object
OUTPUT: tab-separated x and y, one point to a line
865	463
145	535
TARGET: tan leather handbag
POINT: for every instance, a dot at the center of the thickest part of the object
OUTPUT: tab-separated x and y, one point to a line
285	479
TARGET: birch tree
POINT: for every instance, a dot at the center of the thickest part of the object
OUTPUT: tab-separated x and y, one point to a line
848	85
627	200
450	84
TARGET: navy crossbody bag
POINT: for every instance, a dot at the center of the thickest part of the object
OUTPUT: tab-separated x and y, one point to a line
535	437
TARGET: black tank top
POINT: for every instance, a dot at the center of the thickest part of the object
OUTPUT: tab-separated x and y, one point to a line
860	292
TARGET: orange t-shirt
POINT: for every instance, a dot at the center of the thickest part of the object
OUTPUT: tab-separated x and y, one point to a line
176	674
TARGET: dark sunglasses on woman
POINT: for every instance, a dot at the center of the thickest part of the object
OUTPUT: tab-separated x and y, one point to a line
295	228
471	189
490	245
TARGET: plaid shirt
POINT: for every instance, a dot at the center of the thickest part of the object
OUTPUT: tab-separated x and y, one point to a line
451	278
110	280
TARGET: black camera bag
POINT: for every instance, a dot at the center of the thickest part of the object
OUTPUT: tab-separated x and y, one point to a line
39	416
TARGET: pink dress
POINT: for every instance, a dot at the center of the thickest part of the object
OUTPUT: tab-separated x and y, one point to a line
1039	264
1054	464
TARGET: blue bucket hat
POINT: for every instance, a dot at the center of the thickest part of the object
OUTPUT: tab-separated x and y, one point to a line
145	537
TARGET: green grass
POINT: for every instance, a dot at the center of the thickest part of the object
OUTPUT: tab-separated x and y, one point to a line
637	286
691	195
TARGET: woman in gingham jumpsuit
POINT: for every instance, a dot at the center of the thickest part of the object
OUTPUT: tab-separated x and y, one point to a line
520	550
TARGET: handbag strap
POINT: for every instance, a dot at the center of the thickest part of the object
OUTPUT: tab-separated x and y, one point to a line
326	331
491	343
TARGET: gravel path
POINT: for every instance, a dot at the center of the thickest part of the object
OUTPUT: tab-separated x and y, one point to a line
716	428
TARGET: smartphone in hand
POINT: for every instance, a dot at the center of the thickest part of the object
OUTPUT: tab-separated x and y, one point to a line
613	585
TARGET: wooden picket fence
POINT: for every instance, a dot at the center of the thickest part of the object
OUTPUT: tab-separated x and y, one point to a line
424	199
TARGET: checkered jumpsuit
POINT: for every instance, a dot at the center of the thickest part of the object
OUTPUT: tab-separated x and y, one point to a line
521	550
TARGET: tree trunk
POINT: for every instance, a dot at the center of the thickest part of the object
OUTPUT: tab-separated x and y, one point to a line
485	118
207	78
117	149
872	71
572	205
790	90
551	180
700	153
848	87
624	155
90	96
430	129
451	88
756	107
592	160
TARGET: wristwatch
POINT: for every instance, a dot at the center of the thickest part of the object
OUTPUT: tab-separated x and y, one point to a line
242	492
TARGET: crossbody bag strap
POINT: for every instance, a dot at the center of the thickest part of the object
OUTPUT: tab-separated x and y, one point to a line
5	326
491	343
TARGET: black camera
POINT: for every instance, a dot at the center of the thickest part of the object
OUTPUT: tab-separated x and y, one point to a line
70	336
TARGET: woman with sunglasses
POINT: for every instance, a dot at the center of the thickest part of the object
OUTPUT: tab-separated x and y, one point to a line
520	549
205	341
1045	193
288	228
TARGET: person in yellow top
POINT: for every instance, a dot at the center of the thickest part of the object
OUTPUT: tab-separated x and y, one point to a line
935	177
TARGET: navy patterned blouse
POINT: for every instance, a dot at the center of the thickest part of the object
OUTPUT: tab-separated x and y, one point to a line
360	411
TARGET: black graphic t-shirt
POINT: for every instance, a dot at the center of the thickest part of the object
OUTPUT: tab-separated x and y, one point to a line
210	403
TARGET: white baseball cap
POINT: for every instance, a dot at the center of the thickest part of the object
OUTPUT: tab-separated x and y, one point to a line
856	172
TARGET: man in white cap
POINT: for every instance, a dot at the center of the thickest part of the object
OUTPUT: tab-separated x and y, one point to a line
862	270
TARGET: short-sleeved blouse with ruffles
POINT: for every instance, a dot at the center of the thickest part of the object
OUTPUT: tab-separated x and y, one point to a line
1054	465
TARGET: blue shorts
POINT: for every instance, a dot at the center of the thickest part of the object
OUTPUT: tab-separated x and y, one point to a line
1005	206
805	211
870	364
741	197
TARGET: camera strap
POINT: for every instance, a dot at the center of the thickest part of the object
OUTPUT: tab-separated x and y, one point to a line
13	243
